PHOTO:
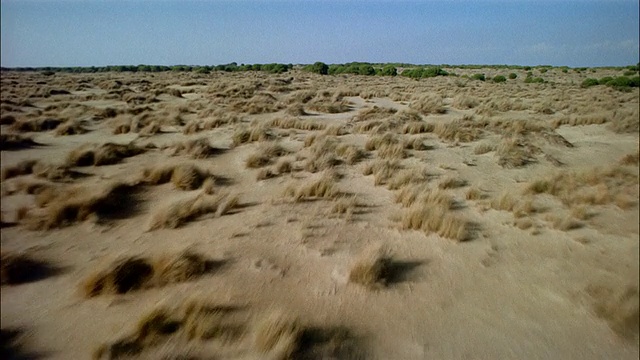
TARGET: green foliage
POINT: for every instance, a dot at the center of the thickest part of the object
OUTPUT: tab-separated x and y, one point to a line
499	79
534	80
317	68
527	68
588	82
630	72
389	70
424	72
478	77
513	76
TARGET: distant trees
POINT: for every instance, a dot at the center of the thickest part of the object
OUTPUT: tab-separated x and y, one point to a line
317	68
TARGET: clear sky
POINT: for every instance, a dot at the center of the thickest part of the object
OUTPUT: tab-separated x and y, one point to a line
168	32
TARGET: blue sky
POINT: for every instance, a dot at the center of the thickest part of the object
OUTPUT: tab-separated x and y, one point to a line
165	32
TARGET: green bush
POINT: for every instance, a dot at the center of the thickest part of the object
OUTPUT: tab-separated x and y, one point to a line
513	76
629	73
588	82
389	70
478	77
499	79
605	80
543	70
534	80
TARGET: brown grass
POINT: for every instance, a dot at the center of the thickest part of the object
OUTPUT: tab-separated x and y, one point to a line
427	104
182	211
277	333
417	127
295	123
371	270
625	121
106	154
71	127
22	268
264	155
323	188
382	170
452	182
484	148
136	273
16	142
24	167
374	113
515	152
245	135
36	125
619	308
457	130
631	159
596	186
437	219
74	204
195	148
464	101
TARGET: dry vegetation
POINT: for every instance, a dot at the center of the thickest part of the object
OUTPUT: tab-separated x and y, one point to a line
542	177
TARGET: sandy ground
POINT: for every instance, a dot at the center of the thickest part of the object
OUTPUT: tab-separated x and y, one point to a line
549	274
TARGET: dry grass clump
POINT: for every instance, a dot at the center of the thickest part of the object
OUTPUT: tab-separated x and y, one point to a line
382	170
36	125
515	152
427	104
106	154
278	334
295	110
323	188
136	273
196	148
475	194
245	135
376	142
575	120
464	101
350	153
631	159
625	121
15	142
264	155
67	206
21	268
374	113
345	205
415	143
295	123
24	167
457	130
618	308
71	127
371	270
417	127
261	103
567	223
324	102
322	153
432	218
407	176
484	148
597	186
422	194
182	211
452	182
336	130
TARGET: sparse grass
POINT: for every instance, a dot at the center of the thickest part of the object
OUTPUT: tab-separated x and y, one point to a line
22	268
106	154
484	148
264	155
452	182
183	176
345	205
137	273
245	135
619	308
417	127
437	219
295	123
323	188
24	167
71	127
427	104
196	148
75	204
182	211
371	270
596	186
36	125
457	130
382	170
16	142
631	159
515	152
474	194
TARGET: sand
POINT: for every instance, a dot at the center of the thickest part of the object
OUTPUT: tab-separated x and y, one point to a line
538	274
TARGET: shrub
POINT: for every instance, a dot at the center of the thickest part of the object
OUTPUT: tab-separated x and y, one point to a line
478	77
588	82
499	79
534	80
318	68
389	70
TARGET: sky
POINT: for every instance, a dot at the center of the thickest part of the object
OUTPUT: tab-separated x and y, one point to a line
574	33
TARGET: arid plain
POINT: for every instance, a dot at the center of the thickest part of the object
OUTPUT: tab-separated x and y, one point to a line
177	215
